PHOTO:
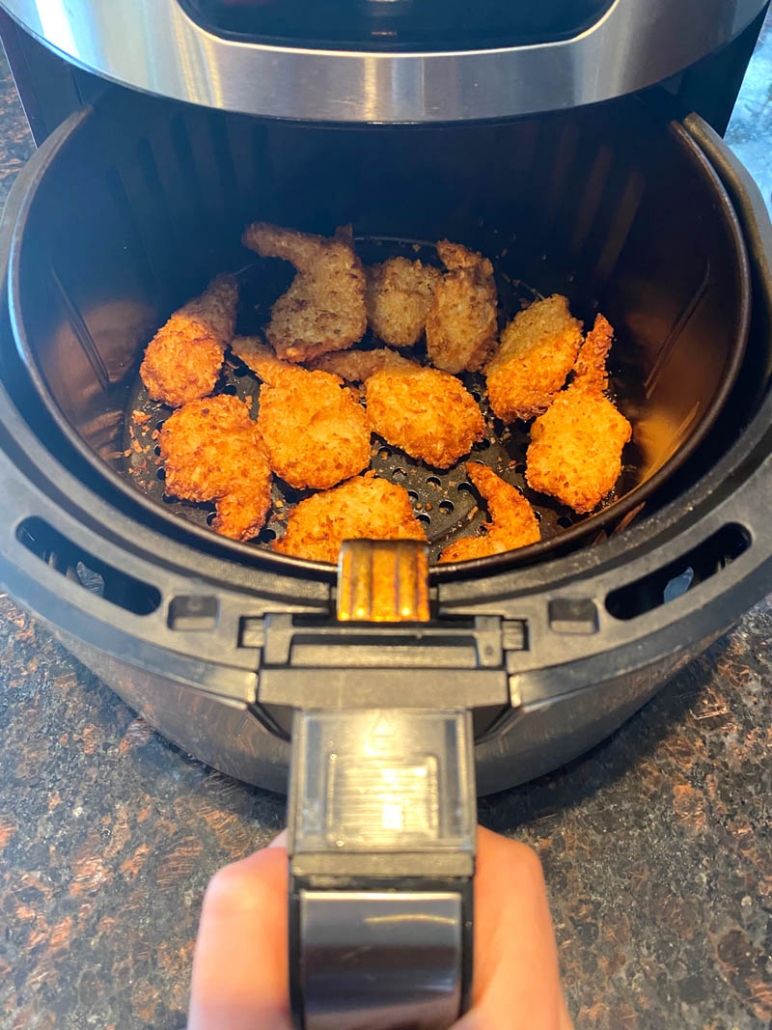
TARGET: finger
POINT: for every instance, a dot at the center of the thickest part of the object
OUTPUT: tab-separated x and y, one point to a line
566	1023
240	974
279	841
516	979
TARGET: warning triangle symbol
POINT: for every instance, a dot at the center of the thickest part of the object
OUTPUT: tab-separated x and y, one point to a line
383	726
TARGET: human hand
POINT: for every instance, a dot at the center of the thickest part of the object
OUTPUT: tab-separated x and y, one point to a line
240	975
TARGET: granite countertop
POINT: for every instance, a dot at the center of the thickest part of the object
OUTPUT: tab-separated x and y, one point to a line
657	846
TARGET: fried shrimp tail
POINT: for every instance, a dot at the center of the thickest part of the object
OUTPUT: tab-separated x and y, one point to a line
260	359
461	323
575	453
590	372
212	451
364	508
324	308
315	431
536	353
183	360
513	522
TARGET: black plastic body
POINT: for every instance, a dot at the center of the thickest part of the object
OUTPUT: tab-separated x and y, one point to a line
201	657
458	885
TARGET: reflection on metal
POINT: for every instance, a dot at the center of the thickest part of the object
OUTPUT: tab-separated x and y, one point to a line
154	45
398	954
383	581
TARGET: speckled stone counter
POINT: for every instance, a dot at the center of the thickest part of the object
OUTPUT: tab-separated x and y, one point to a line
657	846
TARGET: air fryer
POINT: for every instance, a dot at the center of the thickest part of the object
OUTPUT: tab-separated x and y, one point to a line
506	667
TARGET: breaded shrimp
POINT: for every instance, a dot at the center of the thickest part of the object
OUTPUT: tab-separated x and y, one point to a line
537	351
575	452
315	431
425	412
461	324
513	522
363	508
399	295
183	360
324	308
212	451
357	365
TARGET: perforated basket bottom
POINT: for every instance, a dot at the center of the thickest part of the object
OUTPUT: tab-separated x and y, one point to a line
444	500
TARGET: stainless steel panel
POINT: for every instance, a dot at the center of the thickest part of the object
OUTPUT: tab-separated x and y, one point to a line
153	45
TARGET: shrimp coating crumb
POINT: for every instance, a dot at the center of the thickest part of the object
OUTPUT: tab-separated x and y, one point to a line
426	413
513	521
315	431
461	324
575	452
212	451
357	365
537	351
399	295
364	508
183	360
324	308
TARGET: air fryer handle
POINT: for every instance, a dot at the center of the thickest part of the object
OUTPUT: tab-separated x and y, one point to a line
382	827
381	845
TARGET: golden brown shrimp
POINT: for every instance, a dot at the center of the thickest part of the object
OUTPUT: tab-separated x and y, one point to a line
315	431
212	451
363	508
576	446
183	360
513	522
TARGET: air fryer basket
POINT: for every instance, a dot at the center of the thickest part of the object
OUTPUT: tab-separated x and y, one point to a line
604	205
125	212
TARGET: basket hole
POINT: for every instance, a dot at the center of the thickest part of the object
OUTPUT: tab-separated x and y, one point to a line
157	451
161	474
465	488
398	473
446	507
482	445
424	518
265	536
434	481
564	522
413	496
384	452
168	500
210	518
240	372
230	390
160	424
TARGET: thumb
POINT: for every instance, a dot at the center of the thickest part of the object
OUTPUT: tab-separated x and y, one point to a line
240	974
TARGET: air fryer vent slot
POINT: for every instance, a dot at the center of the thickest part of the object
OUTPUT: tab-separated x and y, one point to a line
93	574
673	580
